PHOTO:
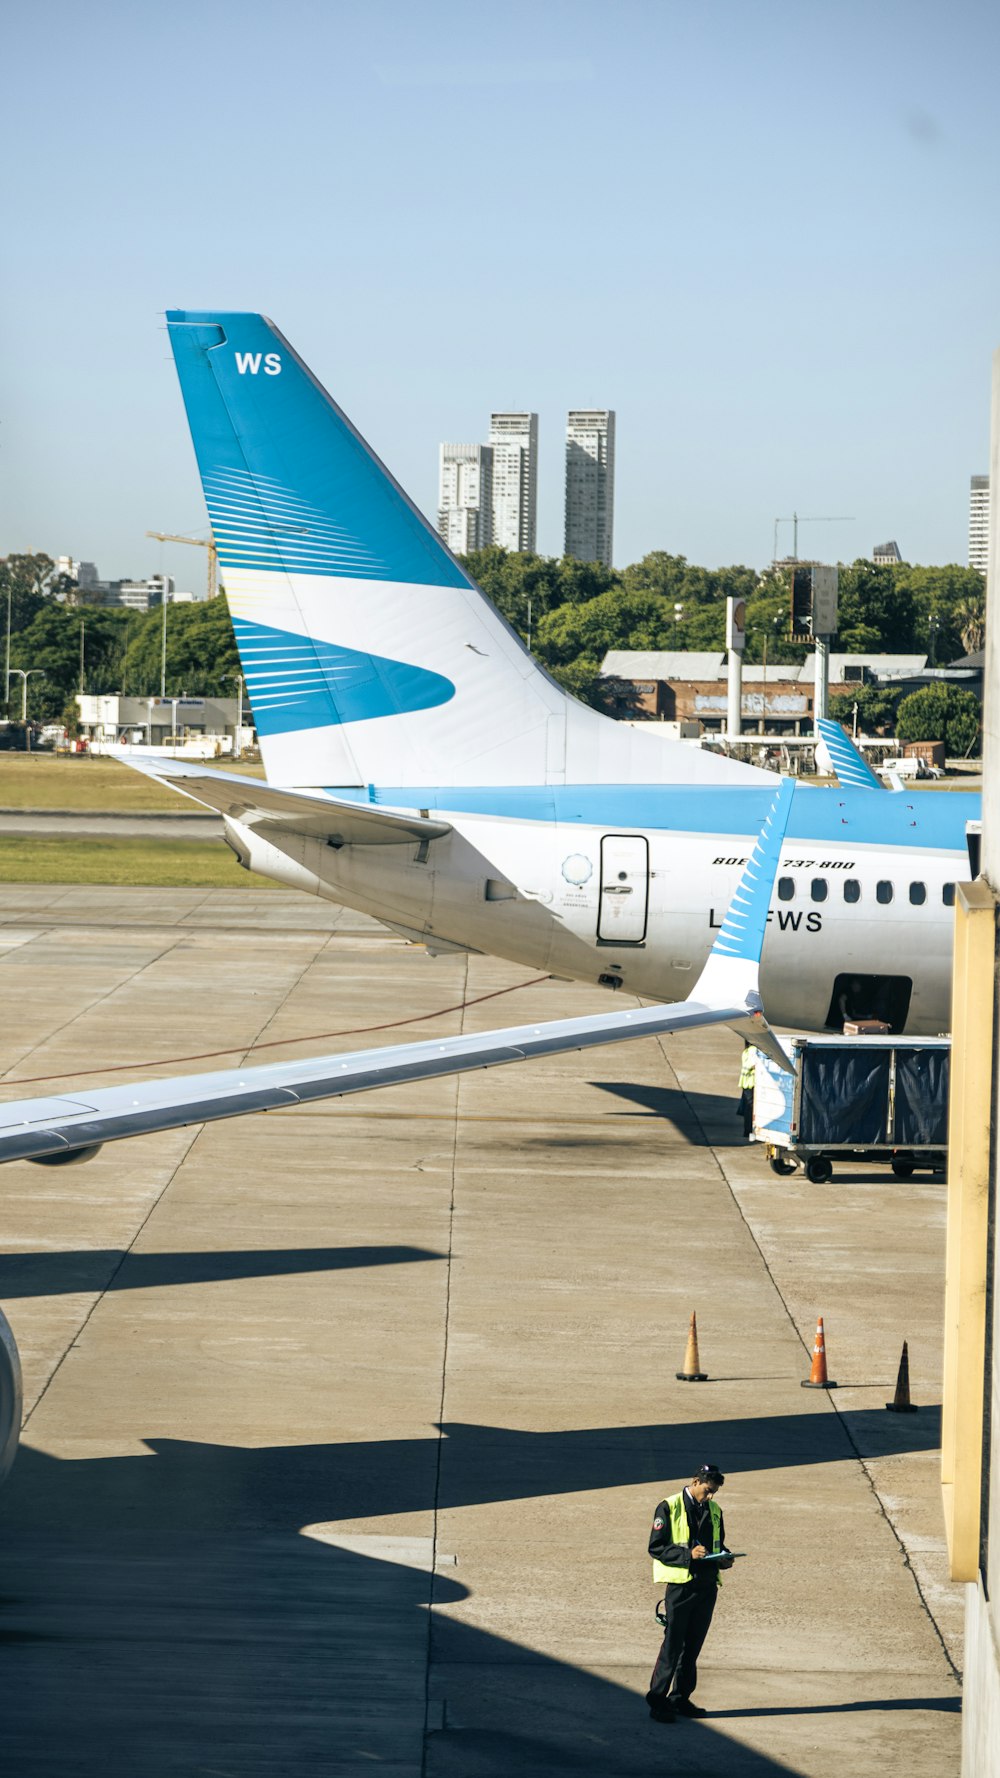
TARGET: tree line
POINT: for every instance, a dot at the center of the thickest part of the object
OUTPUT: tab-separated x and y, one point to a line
102	649
572	613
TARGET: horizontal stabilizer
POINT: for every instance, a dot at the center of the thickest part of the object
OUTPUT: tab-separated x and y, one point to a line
54	1129
319	816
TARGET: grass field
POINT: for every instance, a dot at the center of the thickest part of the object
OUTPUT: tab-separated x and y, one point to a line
172	864
86	785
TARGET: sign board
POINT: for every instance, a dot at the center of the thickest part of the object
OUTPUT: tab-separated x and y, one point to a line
814	601
752	703
736	624
824	601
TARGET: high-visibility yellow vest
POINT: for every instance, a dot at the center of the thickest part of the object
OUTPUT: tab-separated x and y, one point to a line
680	1533
748	1067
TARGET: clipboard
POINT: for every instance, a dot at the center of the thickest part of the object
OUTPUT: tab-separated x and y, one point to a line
723	1556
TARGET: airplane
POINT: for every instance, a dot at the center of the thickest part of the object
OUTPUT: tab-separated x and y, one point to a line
73	1126
424	768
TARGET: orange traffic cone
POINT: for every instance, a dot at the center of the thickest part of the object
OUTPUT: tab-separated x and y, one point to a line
901	1403
692	1372
818	1378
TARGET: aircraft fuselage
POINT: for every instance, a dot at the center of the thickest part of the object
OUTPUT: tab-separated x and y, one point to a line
860	922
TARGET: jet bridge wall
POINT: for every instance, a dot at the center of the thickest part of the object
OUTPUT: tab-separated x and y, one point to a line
971	1421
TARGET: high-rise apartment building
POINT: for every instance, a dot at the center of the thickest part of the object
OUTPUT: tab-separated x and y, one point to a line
979	522
886	554
465	497
590	484
514	442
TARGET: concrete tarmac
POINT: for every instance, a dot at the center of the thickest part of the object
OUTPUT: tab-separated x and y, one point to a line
345	1425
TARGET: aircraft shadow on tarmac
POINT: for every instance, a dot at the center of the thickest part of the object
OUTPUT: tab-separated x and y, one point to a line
160	1615
165	1655
706	1119
112	1268
194	1486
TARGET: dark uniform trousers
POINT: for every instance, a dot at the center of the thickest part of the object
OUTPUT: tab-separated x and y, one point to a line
689	1608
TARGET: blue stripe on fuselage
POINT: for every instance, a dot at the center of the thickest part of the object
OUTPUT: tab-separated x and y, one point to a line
927	819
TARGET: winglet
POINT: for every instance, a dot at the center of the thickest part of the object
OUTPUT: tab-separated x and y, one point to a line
849	763
731	976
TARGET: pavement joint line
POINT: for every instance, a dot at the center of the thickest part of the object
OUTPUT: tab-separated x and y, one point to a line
280	1007
432	1603
98	1000
73	1342
37	922
196	1134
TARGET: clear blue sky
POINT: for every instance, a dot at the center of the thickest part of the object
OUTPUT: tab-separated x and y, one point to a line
766	234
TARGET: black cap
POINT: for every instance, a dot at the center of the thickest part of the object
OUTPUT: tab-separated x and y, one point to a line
710	1472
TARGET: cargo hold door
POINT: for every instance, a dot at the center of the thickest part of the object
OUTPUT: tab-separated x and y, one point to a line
624	903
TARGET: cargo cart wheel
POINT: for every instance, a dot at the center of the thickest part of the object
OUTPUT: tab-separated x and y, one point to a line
902	1167
779	1164
819	1169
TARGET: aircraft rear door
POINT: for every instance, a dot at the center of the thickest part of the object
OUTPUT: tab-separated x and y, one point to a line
624	901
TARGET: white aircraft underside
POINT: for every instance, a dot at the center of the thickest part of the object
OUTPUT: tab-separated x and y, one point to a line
646	913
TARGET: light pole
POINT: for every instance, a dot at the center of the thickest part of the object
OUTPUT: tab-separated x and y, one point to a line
24	674
6	663
237	679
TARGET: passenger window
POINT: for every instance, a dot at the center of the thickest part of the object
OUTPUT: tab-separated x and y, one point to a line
852	889
883	892
918	894
786	889
948	894
818	890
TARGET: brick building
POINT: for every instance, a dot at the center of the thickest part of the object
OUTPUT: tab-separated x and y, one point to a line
675	685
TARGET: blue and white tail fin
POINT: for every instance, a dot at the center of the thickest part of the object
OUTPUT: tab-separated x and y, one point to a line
370	656
731	975
848	761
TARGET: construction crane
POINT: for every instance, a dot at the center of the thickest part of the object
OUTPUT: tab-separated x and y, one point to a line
201	543
807	519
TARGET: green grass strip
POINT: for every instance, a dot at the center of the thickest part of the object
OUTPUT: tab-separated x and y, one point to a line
140	863
94	784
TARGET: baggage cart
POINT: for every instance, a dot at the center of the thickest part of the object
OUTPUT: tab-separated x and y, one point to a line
851	1099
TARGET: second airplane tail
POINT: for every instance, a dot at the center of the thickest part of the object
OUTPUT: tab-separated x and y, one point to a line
371	658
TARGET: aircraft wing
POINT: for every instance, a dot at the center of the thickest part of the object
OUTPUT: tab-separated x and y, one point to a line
74	1125
53	1129
849	763
321	817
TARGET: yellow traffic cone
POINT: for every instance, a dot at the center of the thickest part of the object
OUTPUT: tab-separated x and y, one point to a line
692	1372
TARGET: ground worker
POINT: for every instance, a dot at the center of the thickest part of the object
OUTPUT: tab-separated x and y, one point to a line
748	1078
687	1529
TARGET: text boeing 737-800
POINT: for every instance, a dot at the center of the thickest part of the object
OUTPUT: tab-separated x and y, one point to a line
424	768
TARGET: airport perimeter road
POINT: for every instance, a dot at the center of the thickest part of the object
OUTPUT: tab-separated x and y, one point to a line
345	1425
49	823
